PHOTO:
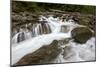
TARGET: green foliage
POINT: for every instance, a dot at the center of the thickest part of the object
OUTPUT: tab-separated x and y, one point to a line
40	7
89	9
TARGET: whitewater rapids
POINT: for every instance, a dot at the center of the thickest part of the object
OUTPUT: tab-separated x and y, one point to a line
77	52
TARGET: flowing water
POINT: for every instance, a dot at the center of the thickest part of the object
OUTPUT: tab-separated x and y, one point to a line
29	40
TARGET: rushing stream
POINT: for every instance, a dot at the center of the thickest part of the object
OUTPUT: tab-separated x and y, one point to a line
29	40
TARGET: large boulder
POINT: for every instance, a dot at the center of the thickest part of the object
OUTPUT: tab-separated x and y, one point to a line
81	34
43	55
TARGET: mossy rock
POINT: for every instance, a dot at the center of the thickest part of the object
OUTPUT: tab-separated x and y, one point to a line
81	34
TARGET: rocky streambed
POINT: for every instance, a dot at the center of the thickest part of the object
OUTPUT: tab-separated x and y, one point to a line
63	37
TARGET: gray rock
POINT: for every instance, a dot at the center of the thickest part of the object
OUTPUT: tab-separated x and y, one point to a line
81	34
43	55
67	52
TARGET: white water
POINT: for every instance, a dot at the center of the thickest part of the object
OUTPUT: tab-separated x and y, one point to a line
77	52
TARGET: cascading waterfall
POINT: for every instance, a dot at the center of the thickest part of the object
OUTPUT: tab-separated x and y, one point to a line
37	29
44	33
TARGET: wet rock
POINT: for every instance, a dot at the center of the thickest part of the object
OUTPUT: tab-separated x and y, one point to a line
46	28
64	41
64	29
67	52
21	37
81	34
43	55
